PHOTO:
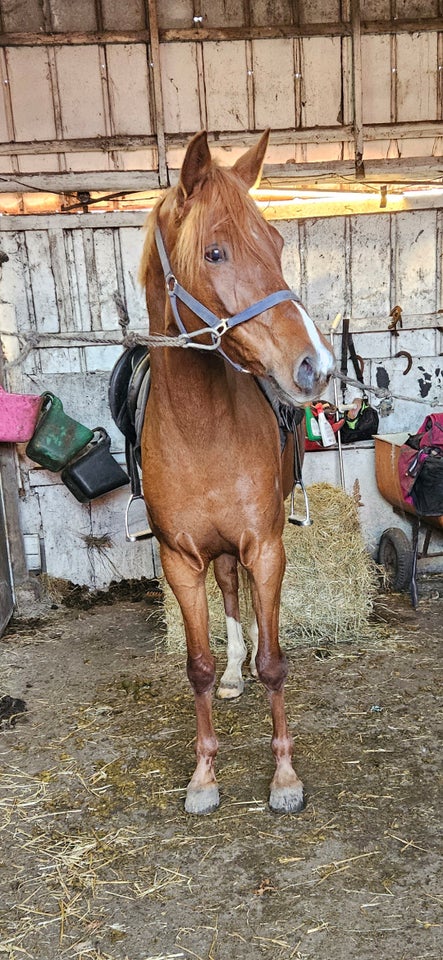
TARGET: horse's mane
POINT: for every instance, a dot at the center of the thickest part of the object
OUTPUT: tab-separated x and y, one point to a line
221	204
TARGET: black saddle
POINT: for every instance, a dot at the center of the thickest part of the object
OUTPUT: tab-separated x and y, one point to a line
128	395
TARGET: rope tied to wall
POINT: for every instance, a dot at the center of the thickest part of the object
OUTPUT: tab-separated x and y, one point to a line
31	340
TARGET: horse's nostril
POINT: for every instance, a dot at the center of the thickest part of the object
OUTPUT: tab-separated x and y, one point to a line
306	374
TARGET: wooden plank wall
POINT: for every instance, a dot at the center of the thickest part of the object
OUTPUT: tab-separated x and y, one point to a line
62	278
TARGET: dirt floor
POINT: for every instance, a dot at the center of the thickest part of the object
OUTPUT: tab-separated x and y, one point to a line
98	858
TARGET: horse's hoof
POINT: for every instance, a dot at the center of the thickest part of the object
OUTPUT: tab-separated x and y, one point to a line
287	799
230	691
202	800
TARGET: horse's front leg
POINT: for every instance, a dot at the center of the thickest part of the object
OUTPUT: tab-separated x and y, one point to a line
226	574
188	585
267	568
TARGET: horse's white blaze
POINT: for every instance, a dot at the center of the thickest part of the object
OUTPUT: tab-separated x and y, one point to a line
324	356
231	683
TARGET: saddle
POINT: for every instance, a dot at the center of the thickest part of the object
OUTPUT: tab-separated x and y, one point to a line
128	396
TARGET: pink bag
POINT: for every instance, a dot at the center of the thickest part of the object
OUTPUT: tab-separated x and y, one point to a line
18	416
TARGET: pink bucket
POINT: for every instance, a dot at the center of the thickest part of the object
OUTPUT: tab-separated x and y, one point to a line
18	416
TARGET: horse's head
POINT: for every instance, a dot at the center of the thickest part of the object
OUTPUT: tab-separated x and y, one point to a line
228	257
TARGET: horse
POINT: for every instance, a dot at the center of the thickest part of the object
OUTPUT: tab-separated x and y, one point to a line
214	479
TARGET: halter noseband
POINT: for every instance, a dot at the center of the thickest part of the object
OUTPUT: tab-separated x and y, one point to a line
215	326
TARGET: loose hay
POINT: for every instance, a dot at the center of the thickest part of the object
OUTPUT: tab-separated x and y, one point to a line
329	585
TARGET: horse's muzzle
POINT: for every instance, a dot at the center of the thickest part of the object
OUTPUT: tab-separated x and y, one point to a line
311	376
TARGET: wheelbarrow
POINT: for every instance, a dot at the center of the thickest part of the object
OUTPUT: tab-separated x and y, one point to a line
396	554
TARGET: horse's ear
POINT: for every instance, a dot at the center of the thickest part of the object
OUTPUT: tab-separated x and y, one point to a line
195	165
249	166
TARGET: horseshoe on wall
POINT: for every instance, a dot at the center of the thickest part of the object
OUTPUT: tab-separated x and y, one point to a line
404	353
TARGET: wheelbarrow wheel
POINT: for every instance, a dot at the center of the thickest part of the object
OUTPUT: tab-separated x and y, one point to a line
395	555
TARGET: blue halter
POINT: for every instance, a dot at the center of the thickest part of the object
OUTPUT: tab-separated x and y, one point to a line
215	326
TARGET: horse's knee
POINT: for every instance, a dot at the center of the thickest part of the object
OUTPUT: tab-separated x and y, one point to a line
271	670
201	673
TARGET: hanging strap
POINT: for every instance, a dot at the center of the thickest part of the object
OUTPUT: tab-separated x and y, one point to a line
348	349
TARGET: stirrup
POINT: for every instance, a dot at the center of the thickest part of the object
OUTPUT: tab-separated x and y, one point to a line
145	534
293	518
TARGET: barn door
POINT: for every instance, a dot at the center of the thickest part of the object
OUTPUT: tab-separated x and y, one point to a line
6	595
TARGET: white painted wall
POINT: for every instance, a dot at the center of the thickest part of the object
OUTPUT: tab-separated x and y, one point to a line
62	274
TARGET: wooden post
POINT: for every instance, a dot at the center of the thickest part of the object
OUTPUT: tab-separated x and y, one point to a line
9	486
357	94
158	94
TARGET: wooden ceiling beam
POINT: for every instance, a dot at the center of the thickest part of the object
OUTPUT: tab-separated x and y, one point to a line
199	34
284	176
415	130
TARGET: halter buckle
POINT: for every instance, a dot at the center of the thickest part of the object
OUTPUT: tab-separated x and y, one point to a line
171	284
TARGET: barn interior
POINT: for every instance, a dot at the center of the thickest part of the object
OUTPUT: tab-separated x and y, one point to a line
99	102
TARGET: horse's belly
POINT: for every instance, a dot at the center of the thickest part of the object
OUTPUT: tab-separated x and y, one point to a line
214	510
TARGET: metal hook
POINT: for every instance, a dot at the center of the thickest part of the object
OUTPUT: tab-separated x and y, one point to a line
293	518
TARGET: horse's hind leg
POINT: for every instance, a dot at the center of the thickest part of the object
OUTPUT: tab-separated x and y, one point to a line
266	568
188	584
226	574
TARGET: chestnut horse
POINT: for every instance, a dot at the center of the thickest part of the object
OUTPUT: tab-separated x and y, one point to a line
213	476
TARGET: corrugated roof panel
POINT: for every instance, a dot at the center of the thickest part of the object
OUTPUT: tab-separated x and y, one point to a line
268	12
39	164
222	13
128	86
417	76
376	79
129	15
80	81
417	8
95	160
321	81
320	11
273	65
175	13
322	152
226	85
31	93
419	147
138	160
382	9
181	102
80	15
22	15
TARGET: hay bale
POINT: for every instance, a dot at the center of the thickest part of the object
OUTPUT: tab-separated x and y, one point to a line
329	585
330	580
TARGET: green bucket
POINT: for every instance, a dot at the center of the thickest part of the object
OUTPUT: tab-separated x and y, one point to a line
57	438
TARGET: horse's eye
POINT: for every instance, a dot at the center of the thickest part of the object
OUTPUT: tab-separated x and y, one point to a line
215	254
